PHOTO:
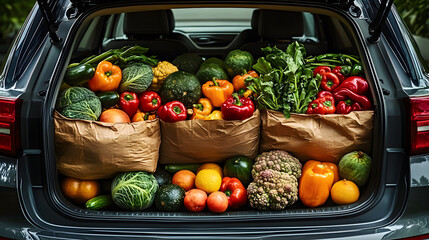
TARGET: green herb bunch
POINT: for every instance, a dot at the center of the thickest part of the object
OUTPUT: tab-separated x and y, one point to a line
285	84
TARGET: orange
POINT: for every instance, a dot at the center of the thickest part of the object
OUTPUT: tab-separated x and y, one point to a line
208	180
213	166
185	179
344	192
114	115
80	191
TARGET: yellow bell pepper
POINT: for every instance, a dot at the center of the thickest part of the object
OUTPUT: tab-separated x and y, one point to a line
202	109
215	115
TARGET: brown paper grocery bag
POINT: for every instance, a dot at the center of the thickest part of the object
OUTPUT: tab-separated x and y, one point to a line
96	150
198	141
318	137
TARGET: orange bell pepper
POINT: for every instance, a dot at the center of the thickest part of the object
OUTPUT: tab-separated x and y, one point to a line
238	81
142	116
202	109
107	77
218	91
332	166
315	185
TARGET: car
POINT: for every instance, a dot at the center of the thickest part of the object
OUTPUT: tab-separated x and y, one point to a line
59	33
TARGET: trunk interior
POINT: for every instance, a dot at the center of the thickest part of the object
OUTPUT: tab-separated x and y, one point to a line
224	27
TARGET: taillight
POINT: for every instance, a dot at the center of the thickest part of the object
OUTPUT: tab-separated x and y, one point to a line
420	237
419	125
9	125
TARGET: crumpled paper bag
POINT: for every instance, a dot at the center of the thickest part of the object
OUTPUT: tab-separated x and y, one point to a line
317	137
97	150
201	141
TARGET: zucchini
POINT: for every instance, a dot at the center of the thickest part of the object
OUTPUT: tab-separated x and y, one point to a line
99	202
79	75
173	168
108	99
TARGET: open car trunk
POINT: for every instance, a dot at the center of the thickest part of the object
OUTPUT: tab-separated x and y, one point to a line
213	30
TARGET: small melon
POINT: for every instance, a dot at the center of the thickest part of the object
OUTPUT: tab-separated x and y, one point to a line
356	167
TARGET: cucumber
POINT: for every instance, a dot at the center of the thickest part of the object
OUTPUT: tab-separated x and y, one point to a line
99	202
108	99
173	168
79	75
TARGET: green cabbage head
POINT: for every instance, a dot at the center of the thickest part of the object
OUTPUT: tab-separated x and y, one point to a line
134	191
79	103
136	77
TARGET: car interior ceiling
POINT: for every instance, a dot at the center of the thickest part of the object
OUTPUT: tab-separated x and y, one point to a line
155	30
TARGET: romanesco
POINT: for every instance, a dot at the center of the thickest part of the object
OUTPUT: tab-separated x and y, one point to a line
272	190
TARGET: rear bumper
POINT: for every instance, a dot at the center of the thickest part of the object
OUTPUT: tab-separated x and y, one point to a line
414	222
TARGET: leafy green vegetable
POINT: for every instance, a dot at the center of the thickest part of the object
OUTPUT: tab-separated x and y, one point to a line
79	103
284	83
136	77
134	190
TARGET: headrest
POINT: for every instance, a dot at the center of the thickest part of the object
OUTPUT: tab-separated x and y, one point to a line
157	22
255	19
278	25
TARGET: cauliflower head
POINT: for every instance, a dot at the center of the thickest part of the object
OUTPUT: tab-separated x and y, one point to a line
278	160
272	190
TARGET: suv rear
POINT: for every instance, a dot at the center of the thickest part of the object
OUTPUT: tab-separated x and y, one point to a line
58	33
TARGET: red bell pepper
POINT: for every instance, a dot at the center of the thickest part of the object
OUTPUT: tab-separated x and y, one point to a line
323	94
337	71
237	108
149	101
329	82
235	191
343	94
345	107
129	103
321	70
322	105
172	112
356	84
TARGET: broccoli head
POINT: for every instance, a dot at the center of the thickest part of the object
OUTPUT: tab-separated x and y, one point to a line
277	160
272	190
